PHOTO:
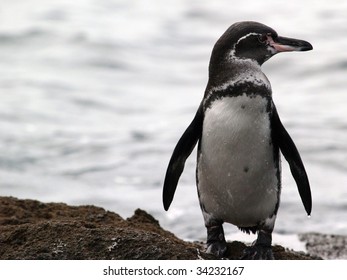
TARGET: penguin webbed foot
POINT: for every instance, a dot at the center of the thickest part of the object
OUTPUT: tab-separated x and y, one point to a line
261	249
216	243
258	252
218	248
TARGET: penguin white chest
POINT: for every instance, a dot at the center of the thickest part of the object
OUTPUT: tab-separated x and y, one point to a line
237	172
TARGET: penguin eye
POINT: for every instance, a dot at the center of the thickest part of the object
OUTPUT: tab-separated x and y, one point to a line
262	38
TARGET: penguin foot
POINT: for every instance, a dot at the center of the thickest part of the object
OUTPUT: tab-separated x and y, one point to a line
258	252
216	243
217	248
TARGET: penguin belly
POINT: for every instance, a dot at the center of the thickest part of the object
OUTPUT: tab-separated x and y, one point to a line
238	176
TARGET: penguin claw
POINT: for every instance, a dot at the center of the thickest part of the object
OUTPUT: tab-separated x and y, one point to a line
257	252
217	248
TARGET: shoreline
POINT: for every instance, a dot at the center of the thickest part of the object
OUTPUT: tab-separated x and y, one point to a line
30	229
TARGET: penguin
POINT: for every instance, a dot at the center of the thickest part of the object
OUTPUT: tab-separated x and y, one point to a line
240	140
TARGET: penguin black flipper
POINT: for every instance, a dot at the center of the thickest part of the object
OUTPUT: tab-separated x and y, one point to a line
181	152
291	154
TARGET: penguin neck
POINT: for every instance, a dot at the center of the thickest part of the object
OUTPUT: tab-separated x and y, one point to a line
233	70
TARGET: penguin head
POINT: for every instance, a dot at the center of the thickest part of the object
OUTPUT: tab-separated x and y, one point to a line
254	41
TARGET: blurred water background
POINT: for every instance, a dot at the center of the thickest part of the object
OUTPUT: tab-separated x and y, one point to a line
94	95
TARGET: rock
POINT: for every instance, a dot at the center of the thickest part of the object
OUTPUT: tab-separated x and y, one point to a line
328	246
30	229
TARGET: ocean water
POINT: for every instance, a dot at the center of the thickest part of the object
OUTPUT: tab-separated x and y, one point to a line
95	94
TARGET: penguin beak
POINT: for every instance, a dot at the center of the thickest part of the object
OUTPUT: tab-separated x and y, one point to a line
283	44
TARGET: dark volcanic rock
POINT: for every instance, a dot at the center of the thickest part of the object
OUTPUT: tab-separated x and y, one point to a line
328	246
33	230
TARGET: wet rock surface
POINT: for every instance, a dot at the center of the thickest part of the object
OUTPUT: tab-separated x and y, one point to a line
31	229
327	246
